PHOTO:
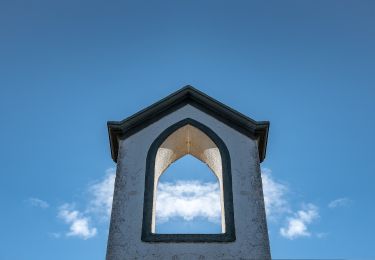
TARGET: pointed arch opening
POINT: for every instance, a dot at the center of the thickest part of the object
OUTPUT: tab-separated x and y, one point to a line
188	137
189	140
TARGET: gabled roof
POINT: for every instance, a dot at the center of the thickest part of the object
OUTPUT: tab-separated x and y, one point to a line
196	98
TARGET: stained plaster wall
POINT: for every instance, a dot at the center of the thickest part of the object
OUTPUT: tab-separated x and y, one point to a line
124	240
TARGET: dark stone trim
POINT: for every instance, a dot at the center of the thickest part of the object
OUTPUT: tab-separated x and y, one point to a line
188	95
147	235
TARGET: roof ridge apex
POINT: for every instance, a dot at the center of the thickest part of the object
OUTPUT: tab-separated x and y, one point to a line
188	95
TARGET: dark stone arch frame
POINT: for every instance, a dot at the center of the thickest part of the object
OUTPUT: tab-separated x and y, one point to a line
147	235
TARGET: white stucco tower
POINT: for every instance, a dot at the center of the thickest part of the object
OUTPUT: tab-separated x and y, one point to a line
146	143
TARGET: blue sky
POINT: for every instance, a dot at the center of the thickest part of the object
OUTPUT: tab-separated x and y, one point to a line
67	67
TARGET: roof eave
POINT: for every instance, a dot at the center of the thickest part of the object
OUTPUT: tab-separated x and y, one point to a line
187	95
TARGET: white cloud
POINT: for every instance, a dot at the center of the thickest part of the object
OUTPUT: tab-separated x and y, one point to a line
274	195
79	224
297	225
35	202
188	199
98	207
102	195
278	207
340	202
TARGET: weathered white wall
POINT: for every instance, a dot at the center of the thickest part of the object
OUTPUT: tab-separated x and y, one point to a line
249	215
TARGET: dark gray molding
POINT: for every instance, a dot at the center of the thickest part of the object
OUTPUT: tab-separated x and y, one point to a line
188	95
147	235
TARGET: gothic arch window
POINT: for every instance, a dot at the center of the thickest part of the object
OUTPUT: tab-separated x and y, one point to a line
188	137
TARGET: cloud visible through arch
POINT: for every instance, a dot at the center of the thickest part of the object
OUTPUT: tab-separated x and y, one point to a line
188	200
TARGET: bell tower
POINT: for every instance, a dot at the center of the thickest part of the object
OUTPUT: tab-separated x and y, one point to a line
229	143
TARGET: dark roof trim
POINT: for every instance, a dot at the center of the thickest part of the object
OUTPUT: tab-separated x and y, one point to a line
196	98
